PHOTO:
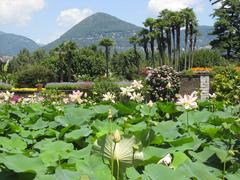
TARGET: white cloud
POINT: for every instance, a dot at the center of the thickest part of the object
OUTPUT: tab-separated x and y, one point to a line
199	8
18	11
51	37
71	17
159	5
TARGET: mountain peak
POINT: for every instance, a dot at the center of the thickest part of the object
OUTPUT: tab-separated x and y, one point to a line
92	29
99	23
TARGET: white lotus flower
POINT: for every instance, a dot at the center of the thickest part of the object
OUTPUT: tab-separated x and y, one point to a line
166	160
136	97
137	85
212	96
109	97
188	101
76	97
150	103
126	91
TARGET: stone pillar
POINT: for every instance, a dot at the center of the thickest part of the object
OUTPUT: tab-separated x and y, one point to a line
204	86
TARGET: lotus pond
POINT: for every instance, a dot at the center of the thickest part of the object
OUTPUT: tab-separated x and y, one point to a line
119	141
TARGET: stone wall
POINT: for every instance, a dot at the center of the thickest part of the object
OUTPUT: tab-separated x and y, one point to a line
197	82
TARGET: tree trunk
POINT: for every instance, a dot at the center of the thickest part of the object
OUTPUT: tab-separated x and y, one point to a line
152	50
169	45
61	65
145	47
190	46
107	60
194	47
160	49
163	45
178	46
174	46
186	44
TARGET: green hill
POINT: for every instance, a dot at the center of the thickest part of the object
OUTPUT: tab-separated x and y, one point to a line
92	29
11	44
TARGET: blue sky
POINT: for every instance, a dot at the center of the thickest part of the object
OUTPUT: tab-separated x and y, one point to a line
45	20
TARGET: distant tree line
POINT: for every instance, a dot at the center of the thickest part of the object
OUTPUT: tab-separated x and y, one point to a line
165	33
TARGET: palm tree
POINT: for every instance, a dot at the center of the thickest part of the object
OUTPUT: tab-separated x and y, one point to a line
149	22
192	30
165	16
66	52
215	1
159	33
178	23
189	17
70	48
143	41
134	40
107	43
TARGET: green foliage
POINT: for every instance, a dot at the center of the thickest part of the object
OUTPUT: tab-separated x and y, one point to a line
30	75
205	58
103	85
226	85
41	142
164	83
69	86
89	63
5	86
226	28
126	64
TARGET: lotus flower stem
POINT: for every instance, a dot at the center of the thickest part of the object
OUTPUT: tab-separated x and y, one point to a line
112	159
224	170
118	169
187	123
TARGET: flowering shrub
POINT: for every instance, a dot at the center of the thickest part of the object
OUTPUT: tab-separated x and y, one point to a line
164	83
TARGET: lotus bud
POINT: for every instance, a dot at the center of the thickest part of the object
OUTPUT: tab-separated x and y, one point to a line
135	147
109	114
116	136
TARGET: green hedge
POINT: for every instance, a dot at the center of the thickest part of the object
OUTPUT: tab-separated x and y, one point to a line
77	85
5	86
69	86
